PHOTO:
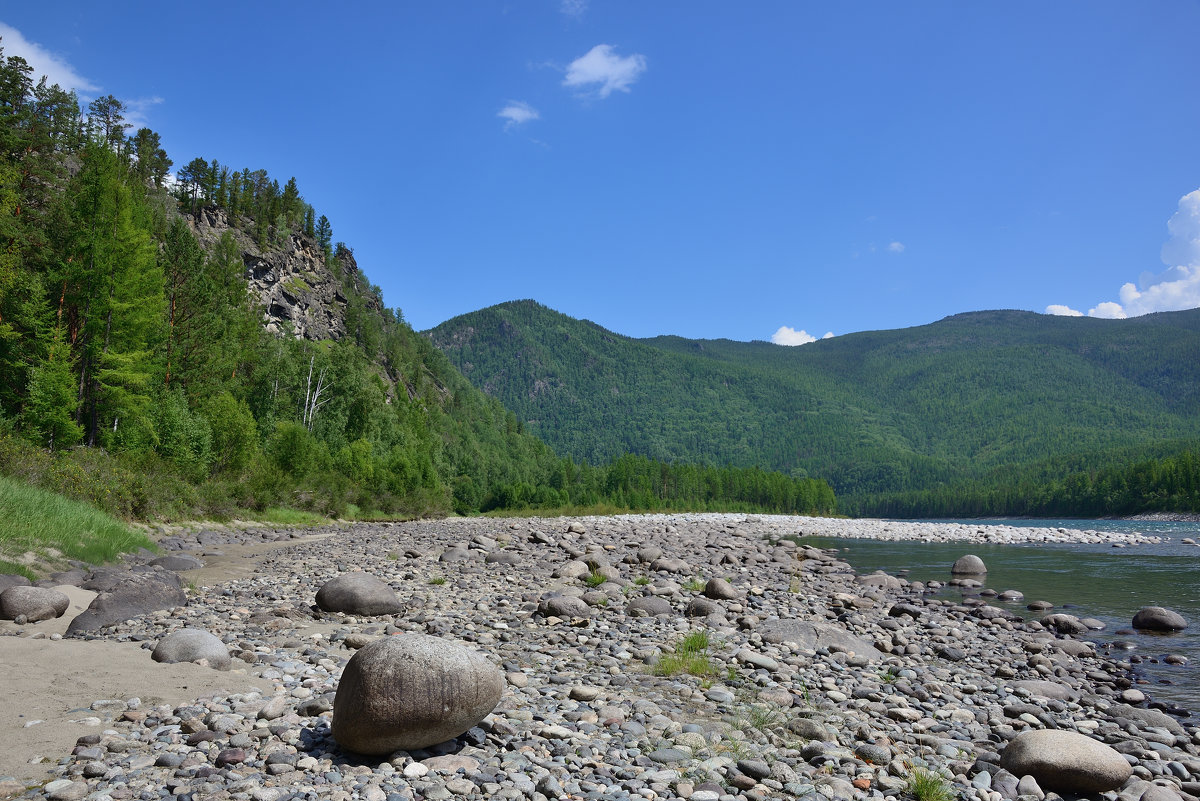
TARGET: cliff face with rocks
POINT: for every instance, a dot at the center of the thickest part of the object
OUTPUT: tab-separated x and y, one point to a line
299	294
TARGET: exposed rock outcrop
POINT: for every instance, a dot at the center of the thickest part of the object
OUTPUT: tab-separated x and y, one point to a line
298	293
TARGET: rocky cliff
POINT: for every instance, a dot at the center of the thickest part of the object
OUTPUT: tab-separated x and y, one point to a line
300	295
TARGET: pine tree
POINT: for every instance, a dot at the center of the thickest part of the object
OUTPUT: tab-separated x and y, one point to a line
49	413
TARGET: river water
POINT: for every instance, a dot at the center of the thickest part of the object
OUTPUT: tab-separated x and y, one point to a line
1098	581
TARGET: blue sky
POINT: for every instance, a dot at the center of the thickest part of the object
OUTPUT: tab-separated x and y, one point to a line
703	169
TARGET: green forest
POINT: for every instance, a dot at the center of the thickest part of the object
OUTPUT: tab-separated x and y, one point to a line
985	413
138	376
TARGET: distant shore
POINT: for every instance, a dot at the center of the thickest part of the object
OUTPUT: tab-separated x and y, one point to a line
905	530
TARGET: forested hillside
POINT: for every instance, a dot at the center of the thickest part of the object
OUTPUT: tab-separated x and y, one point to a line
985	397
200	345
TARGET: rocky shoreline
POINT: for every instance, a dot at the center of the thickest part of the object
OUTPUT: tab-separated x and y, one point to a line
816	682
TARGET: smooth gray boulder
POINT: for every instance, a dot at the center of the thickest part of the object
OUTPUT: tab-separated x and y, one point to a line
180	561
719	589
192	645
503	557
35	603
969	565
1065	761
358	594
1156	618
702	607
816	635
135	594
649	606
1064	624
12	580
669	564
412	691
564	606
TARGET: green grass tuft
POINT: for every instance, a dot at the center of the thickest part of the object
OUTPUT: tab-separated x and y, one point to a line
437	580
54	528
594	579
690	656
924	785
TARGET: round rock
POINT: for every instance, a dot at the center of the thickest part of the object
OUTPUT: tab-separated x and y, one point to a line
1156	618
719	589
35	603
969	565
192	645
358	594
1065	761
649	606
412	691
181	561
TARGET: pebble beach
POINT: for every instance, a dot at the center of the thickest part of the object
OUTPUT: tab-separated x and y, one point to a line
814	682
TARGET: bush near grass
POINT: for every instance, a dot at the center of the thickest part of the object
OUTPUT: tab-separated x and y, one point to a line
53	527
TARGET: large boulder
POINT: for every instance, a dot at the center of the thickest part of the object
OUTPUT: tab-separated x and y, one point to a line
649	606
719	589
1065	761
969	565
34	603
192	645
12	580
182	561
412	691
503	557
816	635
137	593
1155	618
358	594
564	606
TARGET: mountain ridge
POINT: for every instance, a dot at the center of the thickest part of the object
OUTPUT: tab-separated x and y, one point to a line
877	411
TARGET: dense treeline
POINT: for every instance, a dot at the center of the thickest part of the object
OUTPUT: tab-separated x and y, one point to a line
973	399
641	484
137	374
1168	484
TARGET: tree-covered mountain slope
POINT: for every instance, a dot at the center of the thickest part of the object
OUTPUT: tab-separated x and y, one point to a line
200	346
879	411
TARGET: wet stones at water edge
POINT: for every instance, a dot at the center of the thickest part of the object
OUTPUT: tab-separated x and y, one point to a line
1156	618
412	691
1065	761
33	604
358	594
969	565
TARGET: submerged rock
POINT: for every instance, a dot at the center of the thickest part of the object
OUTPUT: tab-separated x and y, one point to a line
969	565
1156	618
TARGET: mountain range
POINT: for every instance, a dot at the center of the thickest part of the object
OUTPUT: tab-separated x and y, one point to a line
973	395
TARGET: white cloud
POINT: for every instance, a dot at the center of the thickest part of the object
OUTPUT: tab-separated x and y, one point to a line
517	113
1108	311
137	110
1175	288
573	8
1063	311
896	247
602	69
789	336
53	66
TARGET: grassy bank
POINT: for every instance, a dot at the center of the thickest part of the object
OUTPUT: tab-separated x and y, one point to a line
39	530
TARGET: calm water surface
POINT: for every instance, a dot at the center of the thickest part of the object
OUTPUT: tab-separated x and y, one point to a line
1098	581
